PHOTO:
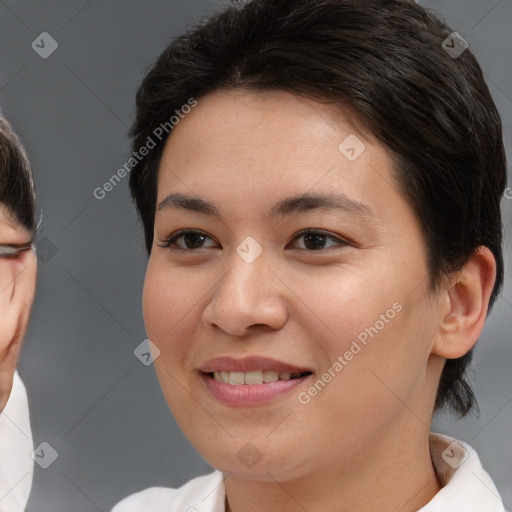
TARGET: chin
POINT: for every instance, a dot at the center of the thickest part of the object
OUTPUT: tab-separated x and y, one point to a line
258	464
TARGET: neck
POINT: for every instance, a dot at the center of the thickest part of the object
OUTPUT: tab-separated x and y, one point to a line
388	475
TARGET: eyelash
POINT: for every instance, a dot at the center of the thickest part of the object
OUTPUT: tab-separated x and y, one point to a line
170	241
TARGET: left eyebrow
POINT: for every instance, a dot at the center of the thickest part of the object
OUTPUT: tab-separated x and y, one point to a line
307	202
291	205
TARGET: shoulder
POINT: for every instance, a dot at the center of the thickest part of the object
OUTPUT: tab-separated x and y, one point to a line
201	494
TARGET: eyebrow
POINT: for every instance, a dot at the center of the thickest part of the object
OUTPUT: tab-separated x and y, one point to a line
291	205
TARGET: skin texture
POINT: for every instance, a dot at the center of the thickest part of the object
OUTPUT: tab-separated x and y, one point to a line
17	288
367	429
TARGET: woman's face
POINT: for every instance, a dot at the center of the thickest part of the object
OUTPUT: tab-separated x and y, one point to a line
344	309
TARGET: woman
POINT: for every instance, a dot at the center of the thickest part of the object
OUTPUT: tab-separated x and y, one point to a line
324	237
17	285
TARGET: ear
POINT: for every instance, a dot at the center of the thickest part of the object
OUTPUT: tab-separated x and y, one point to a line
465	305
17	288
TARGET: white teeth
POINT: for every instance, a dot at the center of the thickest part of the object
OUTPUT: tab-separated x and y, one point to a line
253	377
270	376
236	378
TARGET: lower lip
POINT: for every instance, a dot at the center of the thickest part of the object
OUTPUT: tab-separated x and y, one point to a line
249	394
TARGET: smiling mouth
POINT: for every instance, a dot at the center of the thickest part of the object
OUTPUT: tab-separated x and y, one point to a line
254	377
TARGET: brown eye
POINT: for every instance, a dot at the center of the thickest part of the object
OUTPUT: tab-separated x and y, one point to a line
192	239
316	240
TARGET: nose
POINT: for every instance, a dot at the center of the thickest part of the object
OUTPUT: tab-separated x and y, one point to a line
250	296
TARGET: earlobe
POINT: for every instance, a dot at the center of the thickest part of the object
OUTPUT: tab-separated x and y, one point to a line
467	302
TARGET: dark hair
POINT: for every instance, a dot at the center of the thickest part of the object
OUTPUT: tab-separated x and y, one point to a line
386	61
17	192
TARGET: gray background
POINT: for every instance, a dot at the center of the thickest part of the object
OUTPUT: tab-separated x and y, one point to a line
91	399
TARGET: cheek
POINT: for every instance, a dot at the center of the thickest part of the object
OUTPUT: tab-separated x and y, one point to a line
367	318
167	304
344	302
154	304
169	325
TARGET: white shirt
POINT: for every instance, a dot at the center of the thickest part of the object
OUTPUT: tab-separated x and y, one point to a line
466	486
16	445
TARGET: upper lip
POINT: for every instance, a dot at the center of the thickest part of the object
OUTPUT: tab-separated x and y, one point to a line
247	364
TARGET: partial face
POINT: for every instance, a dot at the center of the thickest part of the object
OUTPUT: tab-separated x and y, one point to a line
328	294
17	286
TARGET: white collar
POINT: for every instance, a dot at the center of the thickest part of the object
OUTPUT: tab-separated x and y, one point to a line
466	485
16	445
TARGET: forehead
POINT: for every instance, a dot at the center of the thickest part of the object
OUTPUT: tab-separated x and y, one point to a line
9	223
251	149
229	117
7	218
